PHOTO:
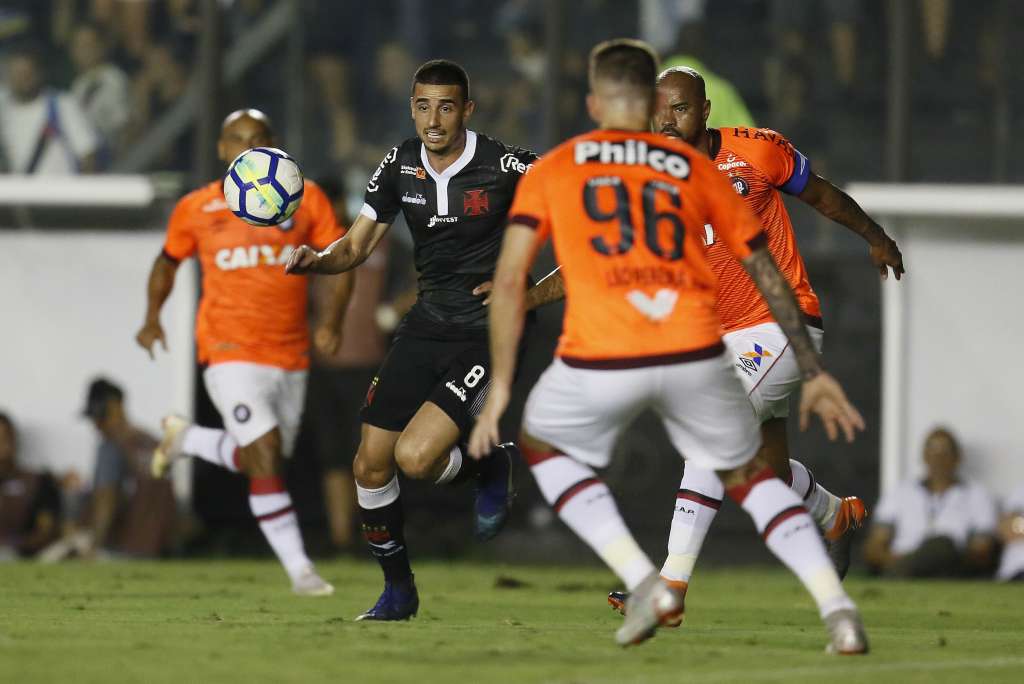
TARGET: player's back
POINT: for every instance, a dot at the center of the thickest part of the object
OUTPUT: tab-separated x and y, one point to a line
760	164
250	309
626	212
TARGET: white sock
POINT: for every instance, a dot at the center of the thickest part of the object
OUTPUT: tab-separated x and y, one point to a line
211	445
789	532
586	505
697	503
821	503
453	467
272	506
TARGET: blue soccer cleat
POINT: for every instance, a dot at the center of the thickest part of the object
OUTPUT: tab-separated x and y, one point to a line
400	601
494	492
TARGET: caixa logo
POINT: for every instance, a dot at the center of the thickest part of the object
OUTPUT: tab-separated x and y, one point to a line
251	256
373	185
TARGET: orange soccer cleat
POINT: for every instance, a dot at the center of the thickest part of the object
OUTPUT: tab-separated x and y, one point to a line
849	518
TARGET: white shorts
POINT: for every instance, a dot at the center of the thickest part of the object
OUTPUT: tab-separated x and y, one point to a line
253	399
766	366
701	404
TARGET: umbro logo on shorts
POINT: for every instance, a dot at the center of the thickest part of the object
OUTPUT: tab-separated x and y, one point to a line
242	413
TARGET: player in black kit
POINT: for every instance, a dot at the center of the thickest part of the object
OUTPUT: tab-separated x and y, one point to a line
454	187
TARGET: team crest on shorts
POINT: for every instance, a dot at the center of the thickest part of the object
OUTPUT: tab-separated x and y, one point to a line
242	413
751	360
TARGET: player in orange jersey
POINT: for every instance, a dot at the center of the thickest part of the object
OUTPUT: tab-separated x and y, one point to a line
626	210
252	334
760	164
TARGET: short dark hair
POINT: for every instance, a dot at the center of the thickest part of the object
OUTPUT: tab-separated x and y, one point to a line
442	72
625	61
947	434
686	71
99	393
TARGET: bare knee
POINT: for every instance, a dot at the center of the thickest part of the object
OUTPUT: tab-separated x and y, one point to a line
372	471
744	474
418	458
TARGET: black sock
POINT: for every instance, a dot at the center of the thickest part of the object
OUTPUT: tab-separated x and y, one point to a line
384	530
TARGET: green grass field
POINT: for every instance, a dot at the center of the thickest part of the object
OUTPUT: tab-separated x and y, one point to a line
236	622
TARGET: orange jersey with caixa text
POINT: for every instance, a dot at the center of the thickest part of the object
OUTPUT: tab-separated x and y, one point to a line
250	309
626	212
759	163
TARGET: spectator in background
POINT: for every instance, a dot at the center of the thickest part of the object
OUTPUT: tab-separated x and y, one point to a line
727	105
338	383
160	82
1011	532
941	526
44	131
100	87
132	513
29	502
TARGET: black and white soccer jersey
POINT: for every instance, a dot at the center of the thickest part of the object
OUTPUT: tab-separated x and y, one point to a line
457	219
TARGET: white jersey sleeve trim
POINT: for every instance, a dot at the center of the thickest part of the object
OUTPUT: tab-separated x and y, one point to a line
369	212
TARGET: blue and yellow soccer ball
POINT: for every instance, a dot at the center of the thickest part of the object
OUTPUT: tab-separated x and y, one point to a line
263	186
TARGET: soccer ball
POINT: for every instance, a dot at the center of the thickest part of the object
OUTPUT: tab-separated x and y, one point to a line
263	186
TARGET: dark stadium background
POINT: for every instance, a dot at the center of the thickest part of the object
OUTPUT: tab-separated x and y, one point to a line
952	121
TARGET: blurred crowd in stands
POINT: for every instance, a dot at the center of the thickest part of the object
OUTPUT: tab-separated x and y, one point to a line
99	74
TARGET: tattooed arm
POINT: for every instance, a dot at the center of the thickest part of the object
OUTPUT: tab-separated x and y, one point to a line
779	296
821	393
833	203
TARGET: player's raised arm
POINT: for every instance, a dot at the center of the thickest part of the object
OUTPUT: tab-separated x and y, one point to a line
343	254
158	289
835	204
506	315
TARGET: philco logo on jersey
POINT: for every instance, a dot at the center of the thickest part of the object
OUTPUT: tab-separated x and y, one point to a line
410	199
391	156
510	162
434	220
632	153
231	259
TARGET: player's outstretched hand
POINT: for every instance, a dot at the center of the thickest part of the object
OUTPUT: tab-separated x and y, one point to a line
887	255
484	289
824	396
485	433
303	260
327	340
147	336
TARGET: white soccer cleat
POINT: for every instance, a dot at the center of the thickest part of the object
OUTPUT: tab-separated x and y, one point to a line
308	583
170	448
846	632
652	604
